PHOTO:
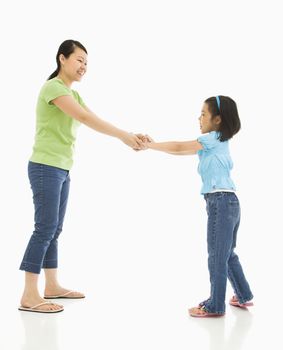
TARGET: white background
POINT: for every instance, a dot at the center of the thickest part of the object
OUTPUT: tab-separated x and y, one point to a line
134	238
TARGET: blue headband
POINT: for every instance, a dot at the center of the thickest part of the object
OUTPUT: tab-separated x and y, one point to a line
218	102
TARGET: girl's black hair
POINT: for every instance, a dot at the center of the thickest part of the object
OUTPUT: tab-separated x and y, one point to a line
66	48
228	111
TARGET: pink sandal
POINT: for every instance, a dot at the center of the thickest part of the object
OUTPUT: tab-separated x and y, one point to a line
202	312
235	302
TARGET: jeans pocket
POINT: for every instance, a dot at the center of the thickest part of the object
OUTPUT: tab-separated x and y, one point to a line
233	199
233	209
233	202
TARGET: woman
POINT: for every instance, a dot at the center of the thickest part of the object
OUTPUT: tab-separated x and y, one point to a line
60	110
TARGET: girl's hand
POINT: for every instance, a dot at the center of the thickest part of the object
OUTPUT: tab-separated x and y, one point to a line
148	138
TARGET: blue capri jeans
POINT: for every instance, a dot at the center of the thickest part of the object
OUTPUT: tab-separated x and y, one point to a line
50	187
223	210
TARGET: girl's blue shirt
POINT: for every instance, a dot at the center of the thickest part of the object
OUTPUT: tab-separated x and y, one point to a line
215	163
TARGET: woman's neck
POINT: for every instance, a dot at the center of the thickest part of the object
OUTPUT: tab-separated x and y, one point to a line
65	80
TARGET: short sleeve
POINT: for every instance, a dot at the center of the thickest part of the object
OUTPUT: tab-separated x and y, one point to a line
79	99
54	88
209	141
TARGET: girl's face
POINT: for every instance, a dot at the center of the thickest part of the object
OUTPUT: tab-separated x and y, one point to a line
75	66
207	124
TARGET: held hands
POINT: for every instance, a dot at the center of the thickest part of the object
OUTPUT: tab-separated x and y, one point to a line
145	140
137	142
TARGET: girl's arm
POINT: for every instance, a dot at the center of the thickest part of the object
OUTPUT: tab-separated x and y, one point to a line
176	147
84	115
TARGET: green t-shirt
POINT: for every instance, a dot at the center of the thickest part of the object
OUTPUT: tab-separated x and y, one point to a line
55	131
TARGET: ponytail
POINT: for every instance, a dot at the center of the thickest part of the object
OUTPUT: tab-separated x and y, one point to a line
228	111
54	74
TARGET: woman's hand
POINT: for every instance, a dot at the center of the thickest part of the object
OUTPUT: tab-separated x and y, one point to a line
145	140
132	140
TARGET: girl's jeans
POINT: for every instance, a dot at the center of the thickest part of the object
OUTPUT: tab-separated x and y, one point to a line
50	187
223	210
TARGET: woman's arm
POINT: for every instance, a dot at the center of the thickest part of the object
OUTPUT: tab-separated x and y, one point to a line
84	115
176	147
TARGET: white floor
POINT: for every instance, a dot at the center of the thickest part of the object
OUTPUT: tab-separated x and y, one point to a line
106	320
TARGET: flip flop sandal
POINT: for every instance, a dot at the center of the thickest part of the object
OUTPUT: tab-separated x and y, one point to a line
63	296
34	308
203	313
235	302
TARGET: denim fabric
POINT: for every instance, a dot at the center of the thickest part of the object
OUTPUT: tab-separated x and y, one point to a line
223	210
50	187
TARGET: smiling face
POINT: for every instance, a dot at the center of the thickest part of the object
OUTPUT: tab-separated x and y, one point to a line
75	66
207	123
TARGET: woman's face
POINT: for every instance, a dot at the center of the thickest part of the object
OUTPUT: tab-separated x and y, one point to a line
207	124
75	66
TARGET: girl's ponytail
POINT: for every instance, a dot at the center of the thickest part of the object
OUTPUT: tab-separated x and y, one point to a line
227	109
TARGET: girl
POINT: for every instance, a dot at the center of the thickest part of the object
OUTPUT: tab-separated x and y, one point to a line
60	110
219	122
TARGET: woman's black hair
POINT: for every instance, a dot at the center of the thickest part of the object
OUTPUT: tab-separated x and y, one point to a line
66	48
228	111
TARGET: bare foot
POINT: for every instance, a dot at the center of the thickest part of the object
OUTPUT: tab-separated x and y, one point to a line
29	301
202	312
63	292
234	301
